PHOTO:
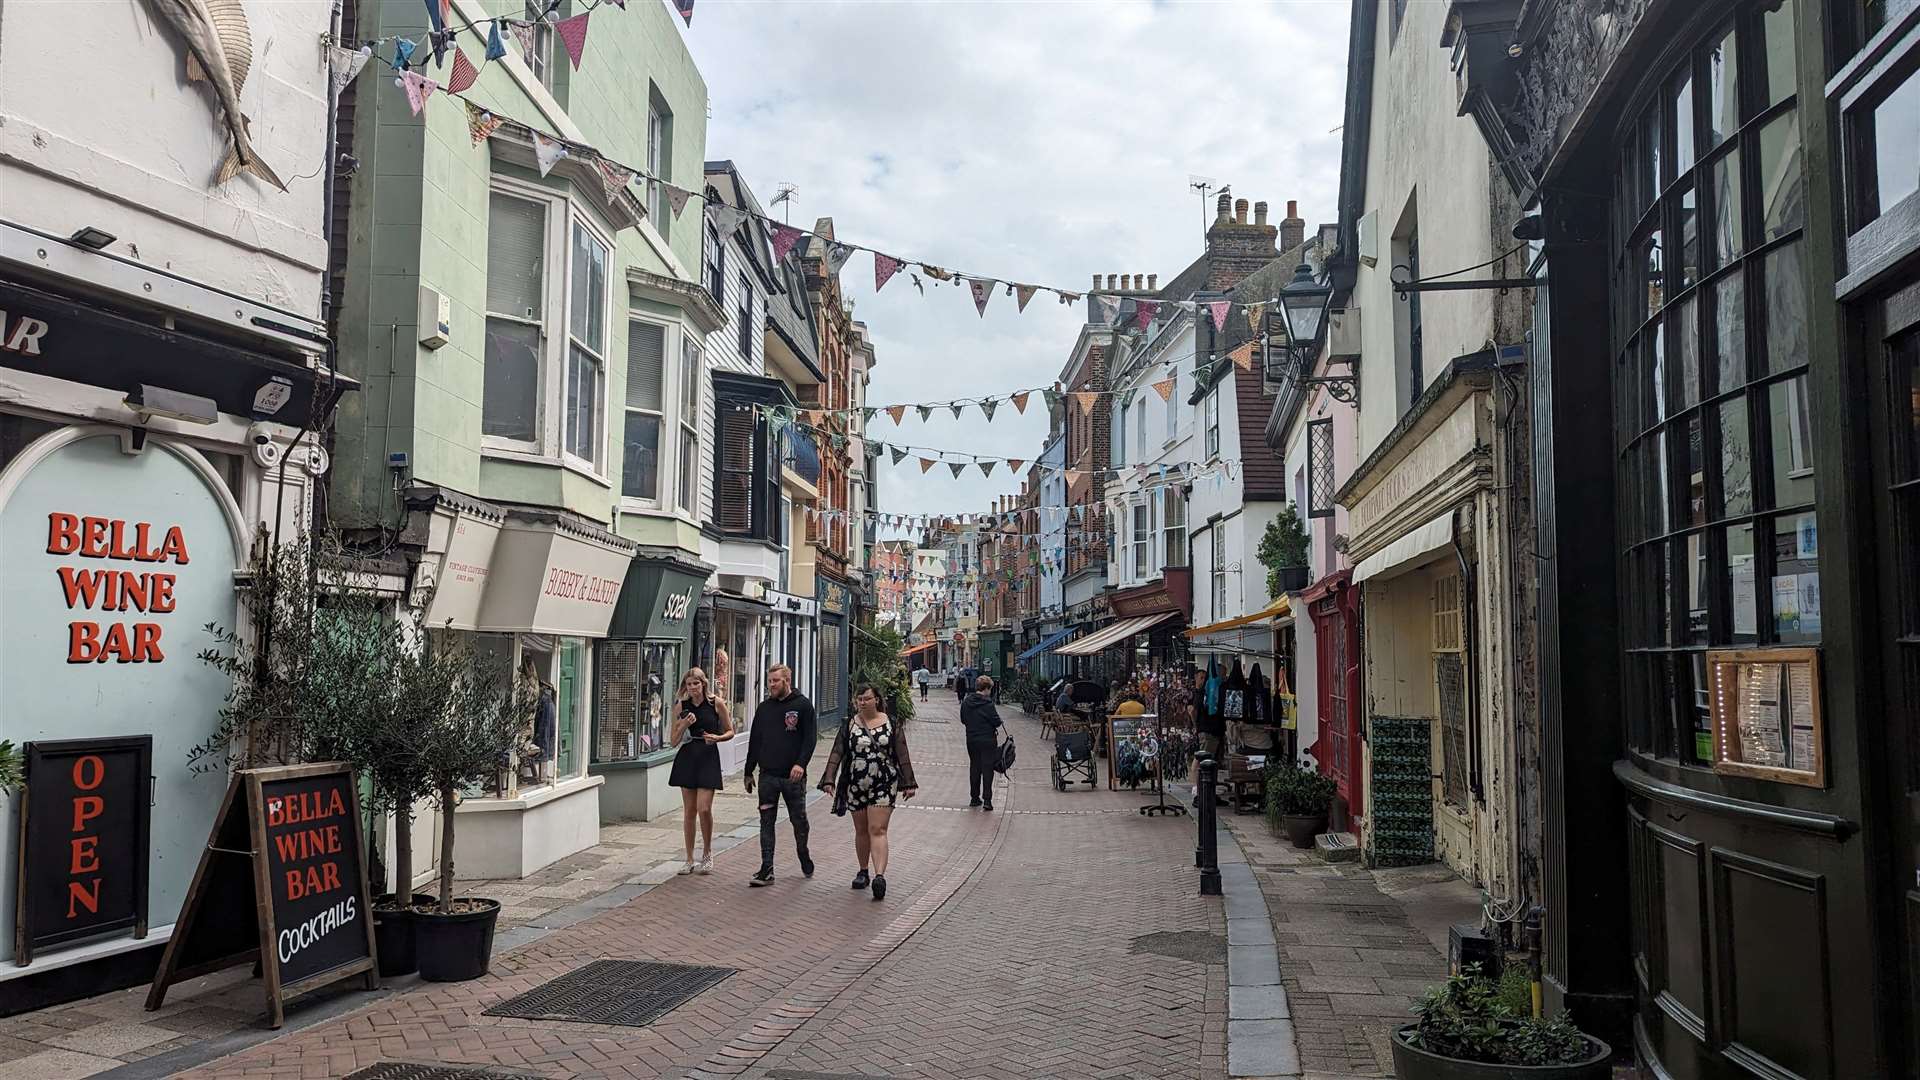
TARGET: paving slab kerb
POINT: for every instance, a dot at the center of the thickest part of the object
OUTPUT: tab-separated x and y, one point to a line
1004	948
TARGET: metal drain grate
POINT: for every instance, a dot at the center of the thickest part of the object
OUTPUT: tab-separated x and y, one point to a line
631	993
789	1074
413	1070
1195	945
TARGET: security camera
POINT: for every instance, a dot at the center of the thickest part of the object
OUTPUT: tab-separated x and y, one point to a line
266	452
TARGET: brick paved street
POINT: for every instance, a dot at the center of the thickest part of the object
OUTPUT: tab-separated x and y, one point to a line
1006	947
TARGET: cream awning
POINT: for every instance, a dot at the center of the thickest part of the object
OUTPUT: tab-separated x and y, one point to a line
1112	635
1278	609
1403	553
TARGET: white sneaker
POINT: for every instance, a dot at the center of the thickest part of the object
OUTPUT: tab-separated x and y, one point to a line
705	866
687	869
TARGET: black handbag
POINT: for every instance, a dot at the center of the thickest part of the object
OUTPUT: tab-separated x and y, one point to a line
1006	756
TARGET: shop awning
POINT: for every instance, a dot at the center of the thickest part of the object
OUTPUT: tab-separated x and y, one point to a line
1112	635
918	648
1412	548
1046	643
1277	610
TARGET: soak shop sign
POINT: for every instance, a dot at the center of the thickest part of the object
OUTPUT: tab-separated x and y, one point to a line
117	577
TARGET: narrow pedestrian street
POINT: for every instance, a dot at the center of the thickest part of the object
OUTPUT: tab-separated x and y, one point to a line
1032	941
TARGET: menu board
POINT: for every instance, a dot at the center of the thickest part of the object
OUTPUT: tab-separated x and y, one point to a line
1766	716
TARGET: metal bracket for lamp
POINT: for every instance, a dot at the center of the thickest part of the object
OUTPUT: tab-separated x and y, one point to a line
1344	389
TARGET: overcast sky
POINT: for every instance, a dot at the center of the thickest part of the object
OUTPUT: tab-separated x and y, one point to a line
1033	141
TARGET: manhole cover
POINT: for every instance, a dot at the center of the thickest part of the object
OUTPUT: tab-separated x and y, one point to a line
1195	945
632	993
410	1070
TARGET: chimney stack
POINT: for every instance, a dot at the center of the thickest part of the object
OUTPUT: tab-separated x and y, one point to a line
1260	213
1293	230
1240	212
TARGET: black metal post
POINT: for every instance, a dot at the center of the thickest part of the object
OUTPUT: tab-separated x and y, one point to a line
1209	839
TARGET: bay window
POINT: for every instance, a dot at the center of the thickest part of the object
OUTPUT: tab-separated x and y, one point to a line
1142	539
1173	527
691	371
516	313
646	394
586	345
1211	404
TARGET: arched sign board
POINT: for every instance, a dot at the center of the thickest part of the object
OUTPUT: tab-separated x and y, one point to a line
281	883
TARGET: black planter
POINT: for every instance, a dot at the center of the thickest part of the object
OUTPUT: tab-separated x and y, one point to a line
1292	578
1413	1063
393	934
456	947
1302	828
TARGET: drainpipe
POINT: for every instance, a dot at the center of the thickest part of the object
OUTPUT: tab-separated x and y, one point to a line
1468	610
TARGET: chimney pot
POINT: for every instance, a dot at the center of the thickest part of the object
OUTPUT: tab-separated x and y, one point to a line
1111	279
1096	281
1153	281
1240	212
1225	203
1126	281
1260	213
1293	208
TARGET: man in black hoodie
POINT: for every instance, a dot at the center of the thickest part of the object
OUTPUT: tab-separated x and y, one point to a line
981	719
780	744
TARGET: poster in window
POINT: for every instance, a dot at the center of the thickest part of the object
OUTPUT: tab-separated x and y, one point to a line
1766	714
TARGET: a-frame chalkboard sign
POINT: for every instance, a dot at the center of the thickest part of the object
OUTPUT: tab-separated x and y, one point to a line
282	885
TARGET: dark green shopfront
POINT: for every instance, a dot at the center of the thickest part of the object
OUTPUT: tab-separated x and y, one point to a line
637	671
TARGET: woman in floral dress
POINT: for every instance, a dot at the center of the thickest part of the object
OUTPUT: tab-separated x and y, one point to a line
869	766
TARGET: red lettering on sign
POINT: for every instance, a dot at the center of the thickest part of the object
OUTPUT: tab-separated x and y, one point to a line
162	598
80	772
304	806
63	534
83	642
86	859
85	809
82	895
313	879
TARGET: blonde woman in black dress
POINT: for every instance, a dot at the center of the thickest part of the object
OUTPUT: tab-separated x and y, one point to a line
869	766
701	723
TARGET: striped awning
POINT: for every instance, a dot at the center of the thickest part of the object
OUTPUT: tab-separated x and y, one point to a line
1112	635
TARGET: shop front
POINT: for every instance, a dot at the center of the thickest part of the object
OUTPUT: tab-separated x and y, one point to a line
135	448
835	664
742	630
537	588
995	646
1250	641
637	674
1161	611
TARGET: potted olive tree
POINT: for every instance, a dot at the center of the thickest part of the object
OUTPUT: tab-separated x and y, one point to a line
1283	551
468	709
1469	1028
1298	800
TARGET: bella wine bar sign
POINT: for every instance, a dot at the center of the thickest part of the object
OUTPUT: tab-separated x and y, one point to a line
126	583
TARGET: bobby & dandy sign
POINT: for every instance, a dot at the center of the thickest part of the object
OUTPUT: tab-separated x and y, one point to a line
287	839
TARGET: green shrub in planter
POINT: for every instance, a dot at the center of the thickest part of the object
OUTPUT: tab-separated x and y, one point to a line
1296	792
1471	1018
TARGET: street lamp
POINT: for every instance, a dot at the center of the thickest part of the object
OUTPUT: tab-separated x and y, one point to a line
1303	306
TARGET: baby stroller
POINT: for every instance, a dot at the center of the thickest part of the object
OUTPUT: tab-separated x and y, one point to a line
1073	758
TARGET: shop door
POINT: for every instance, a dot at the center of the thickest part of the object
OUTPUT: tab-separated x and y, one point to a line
1897	487
1336	633
569	704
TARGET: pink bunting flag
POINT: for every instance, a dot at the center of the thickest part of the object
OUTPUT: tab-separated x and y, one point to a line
481	124
1144	311
464	73
614	177
925	464
547	152
982	289
573	35
895	412
784	237
1164	388
685	8
884	267
1024	293
1219	309
1014	463
419	88
523	33
1020	402
677	199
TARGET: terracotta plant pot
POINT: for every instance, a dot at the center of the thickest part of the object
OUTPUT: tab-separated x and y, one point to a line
456	947
393	933
1302	828
1413	1063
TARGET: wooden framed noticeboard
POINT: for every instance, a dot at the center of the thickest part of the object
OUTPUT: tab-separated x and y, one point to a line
86	826
281	883
1766	715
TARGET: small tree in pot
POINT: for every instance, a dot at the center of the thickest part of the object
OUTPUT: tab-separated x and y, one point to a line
1469	1030
1283	551
1298	800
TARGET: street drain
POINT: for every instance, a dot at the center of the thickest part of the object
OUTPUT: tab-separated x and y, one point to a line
789	1074
631	993
413	1070
1195	945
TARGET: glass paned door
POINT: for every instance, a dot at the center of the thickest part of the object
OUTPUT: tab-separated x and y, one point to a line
568	688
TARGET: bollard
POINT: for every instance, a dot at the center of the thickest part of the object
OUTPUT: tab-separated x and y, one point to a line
1209	839
1199	815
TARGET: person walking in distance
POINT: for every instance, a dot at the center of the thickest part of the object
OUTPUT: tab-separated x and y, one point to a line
700	725
779	745
869	765
981	718
920	676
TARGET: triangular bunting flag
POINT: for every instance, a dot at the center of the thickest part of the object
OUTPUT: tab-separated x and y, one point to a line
936	273
419	88
464	73
496	48
403	53
1024	293
1256	314
523	33
677	199
344	65
1073	476
987	407
1052	399
1014	463
1020	402
1144	311
837	256
1086	400
1164	388
926	412
895	413
926	463
956	407
1219	309
884	267
439	40
986	467
573	35
899	455
982	289
685	8
481	123
726	219
867	413
1068	298
547	152
1109	308
621	4
1243	357
614	177
958	467
784	237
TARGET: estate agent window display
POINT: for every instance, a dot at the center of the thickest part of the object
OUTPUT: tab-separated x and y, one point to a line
1720	533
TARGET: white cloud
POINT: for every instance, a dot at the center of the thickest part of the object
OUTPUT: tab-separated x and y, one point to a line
1040	142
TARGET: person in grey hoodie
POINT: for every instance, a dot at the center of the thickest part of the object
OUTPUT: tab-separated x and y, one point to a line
981	718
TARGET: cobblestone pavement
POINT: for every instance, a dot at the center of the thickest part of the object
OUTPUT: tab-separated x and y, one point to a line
1356	946
1007	947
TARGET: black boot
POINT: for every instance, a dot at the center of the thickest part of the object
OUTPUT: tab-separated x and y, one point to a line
879	887
860	880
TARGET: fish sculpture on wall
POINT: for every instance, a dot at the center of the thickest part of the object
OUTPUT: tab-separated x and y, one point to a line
220	53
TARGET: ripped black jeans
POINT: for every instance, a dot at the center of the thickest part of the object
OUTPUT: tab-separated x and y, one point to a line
771	790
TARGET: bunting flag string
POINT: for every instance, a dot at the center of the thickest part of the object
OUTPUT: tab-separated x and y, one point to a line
418	87
573	35
884	267
982	292
464	73
1164	388
480	123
